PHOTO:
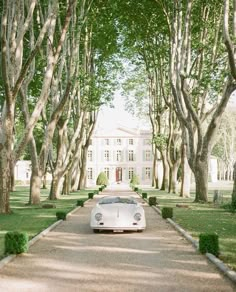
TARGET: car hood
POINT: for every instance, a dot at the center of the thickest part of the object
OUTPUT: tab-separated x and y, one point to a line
115	208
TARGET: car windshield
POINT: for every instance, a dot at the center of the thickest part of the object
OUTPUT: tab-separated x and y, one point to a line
115	200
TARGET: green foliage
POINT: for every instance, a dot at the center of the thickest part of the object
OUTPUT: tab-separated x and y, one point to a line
16	242
229	207
209	243
136	189
102	179
61	215
160	140
167	212
218	150
152	201
135	180
80	203
90	195
144	195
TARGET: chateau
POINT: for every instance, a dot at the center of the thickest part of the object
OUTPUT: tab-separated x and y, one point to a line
120	153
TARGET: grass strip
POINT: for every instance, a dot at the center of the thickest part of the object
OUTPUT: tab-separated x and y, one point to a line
198	218
33	219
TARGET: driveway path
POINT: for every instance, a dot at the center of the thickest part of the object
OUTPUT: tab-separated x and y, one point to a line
72	258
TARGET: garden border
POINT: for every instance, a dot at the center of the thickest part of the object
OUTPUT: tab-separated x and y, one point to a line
216	261
43	233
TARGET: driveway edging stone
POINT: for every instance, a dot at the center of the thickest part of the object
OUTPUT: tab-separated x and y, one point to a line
9	258
216	261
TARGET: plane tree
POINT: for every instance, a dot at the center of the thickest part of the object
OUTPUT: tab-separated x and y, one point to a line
17	20
199	85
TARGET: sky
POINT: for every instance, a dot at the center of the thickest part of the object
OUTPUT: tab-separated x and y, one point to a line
109	118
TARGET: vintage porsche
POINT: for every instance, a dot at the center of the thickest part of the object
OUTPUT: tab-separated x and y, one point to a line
118	214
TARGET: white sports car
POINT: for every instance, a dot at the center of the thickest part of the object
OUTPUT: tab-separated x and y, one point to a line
118	214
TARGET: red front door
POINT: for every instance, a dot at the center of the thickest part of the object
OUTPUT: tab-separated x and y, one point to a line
118	174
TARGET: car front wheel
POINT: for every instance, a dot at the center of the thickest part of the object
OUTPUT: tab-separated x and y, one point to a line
95	230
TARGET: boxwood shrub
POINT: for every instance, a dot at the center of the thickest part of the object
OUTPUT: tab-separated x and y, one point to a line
90	195
152	201
209	243
80	203
16	242
144	195
167	212
135	189
61	215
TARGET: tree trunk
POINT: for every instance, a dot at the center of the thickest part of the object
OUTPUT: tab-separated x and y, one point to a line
12	169
155	182
4	182
185	175
56	187
166	171
45	180
35	185
75	178
36	175
66	185
234	188
173	177
201	180
82	179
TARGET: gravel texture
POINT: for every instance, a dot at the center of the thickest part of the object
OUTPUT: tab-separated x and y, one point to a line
72	258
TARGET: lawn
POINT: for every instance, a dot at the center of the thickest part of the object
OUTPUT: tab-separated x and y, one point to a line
201	218
34	219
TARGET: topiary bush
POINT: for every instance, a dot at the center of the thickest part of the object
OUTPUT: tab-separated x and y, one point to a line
136	189
209	242
144	195
152	201
80	203
102	179
135	180
90	195
167	212
61	215
16	242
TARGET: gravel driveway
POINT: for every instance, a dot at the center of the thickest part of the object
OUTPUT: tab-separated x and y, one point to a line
72	258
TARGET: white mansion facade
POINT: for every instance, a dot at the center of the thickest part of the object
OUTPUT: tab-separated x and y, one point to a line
120	153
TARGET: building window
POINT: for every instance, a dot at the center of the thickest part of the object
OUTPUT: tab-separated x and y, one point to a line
90	155
146	142
118	141
131	172
118	155
147	172
131	155
107	172
107	142
90	173
131	141
106	155
147	155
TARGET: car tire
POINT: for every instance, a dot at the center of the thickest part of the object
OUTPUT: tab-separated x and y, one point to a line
140	230
95	230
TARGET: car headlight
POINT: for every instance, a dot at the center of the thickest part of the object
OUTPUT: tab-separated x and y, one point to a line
137	216
98	216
